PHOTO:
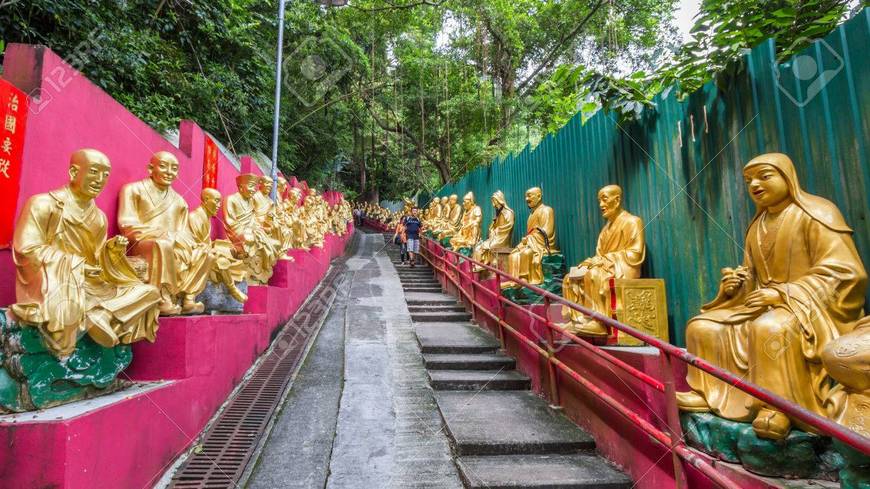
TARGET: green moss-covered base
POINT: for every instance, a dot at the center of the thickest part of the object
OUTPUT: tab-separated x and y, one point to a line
554	271
446	243
800	455
32	378
466	251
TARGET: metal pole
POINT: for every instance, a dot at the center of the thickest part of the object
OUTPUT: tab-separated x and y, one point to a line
279	60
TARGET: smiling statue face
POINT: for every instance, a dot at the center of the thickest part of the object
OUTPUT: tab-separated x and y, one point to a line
89	171
533	197
609	201
163	168
766	185
211	201
467	203
247	185
265	185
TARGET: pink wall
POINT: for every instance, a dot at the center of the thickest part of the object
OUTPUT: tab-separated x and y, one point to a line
74	113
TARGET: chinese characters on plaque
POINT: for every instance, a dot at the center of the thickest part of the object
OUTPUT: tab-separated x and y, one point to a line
210	164
13	114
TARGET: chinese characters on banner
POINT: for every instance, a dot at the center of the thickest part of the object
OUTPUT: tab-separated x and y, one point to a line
210	164
13	119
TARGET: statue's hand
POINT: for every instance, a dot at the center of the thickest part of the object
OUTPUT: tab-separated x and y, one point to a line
763	297
118	245
733	279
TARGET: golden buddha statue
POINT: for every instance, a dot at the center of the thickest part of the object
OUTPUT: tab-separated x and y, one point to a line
297	219
154	218
263	203
69	277
440	219
469	230
620	252
227	269
800	287
452	218
500	230
257	248
525	260
847	361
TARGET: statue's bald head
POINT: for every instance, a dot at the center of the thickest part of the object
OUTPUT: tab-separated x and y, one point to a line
163	168
610	201
534	196
210	199
88	172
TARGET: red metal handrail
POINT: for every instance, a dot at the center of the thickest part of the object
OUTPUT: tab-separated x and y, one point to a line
669	351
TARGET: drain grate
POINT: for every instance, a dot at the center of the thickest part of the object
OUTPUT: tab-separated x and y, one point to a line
227	446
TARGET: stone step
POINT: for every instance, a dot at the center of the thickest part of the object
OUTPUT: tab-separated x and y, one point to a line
416	281
422	289
461	361
454	338
426	298
508	423
478	380
450	307
575	471
440	317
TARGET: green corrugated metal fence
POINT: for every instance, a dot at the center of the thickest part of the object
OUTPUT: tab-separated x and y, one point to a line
681	166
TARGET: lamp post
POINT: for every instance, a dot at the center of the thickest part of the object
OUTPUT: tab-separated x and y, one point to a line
278	65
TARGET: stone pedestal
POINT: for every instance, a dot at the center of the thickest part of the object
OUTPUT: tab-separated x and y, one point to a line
217	298
800	455
32	378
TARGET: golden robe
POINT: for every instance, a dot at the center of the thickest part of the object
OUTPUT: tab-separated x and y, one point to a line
221	250
261	252
621	249
500	230
54	240
155	222
525	260
469	231
809	258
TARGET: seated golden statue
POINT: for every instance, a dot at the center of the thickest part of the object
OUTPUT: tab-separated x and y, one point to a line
452	218
500	230
801	286
440	219
619	254
847	360
69	278
227	269
154	218
253	244
525	260
297	219
469	230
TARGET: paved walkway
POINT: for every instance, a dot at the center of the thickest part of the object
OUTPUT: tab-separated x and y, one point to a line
361	414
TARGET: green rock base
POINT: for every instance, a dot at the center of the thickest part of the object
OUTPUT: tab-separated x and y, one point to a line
466	251
446	243
800	455
32	378
554	271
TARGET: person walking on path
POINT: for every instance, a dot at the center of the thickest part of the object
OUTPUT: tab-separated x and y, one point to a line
412	233
400	238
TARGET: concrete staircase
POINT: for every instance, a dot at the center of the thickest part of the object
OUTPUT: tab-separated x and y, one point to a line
503	435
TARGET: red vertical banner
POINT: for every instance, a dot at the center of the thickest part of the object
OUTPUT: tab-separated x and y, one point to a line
210	164
13	120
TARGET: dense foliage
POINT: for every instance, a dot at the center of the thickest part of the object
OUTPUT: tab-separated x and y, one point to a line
389	97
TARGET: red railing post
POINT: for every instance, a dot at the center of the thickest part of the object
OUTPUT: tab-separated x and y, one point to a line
473	296
551	355
499	310
675	429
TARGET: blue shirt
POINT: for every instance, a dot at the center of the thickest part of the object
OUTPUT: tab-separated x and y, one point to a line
412	227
